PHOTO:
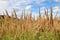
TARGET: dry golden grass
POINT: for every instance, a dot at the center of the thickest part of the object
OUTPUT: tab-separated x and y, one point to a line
26	23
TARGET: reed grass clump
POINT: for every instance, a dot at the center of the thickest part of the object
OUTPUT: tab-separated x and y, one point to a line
45	27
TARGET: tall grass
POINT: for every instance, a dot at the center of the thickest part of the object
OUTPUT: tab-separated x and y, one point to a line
45	27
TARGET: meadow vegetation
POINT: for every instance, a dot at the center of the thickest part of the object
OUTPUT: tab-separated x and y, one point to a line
45	27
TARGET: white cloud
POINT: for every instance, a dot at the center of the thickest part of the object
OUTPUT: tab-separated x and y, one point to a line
3	4
28	7
56	8
17	3
57	0
21	4
39	1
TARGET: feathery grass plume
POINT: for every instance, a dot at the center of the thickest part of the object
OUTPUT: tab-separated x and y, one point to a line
40	21
25	15
24	19
30	15
34	18
46	14
46	17
12	19
55	17
21	16
56	24
6	12
6	18
21	21
51	16
14	12
7	15
39	17
39	14
12	23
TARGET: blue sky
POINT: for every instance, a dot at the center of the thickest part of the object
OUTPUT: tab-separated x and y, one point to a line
30	5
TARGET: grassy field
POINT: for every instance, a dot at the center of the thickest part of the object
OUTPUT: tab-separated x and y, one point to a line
45	27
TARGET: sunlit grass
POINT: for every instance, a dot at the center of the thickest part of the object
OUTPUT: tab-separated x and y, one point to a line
27	28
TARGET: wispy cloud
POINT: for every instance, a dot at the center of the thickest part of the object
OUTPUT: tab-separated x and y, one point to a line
57	0
28	4
16	3
56	8
3	4
28	7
